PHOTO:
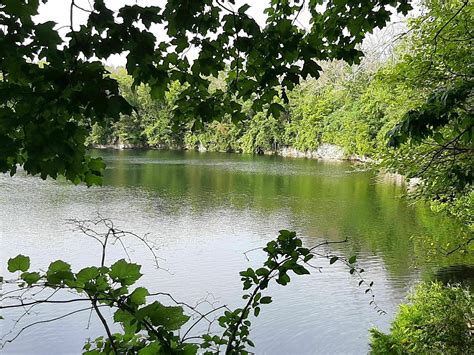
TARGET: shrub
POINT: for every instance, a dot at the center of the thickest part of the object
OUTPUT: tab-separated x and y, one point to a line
435	321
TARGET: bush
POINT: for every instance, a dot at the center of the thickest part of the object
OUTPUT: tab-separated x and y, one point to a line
436	321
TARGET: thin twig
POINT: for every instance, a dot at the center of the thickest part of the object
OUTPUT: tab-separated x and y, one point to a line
106	326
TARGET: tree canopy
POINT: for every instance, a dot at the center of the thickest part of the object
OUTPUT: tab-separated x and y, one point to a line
54	87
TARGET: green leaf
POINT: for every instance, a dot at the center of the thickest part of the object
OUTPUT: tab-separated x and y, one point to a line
138	296
333	260
124	272
93	179
311	68
283	279
19	263
19	8
46	34
300	270
256	311
190	349
96	164
243	8
30	277
275	109
59	271
151	349
87	274
262	271
170	318
266	300
124	317
352	259
58	266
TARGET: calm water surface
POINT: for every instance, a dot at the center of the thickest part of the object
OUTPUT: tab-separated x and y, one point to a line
205	211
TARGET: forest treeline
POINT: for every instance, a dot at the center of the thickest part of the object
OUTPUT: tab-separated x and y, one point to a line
351	106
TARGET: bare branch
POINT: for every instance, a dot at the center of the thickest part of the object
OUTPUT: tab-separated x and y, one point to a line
42	322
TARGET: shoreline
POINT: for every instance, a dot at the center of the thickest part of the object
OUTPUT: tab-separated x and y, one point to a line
325	152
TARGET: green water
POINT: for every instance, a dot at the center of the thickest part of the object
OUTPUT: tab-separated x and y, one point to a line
205	210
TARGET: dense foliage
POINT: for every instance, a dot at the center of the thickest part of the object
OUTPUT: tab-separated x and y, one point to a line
436	321
435	140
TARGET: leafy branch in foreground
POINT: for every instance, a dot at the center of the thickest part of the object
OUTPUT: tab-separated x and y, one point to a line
155	323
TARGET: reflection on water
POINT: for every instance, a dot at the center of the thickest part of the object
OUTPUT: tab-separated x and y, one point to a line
205	210
456	274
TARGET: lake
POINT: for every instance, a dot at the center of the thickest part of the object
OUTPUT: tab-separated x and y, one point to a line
205	210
